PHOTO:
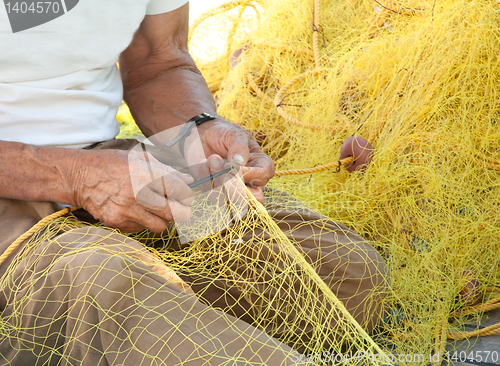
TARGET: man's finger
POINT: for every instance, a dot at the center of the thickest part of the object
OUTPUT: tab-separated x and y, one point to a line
160	169
238	150
171	186
258	193
135	219
175	188
236	196
151	222
255	176
177	212
215	193
216	163
166	209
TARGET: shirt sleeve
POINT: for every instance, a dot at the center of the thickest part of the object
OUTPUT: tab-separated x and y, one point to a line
163	6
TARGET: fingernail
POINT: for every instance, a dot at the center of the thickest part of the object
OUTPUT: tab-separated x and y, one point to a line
239	159
214	163
187	175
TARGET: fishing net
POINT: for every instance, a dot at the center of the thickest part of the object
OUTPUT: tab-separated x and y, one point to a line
418	80
79	293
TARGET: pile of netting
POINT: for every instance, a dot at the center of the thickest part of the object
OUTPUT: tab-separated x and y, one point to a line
420	80
78	293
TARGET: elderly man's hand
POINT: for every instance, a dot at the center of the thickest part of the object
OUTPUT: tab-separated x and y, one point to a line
232	142
102	185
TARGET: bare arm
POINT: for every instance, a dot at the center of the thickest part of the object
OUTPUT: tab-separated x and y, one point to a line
163	89
98	181
35	173
49	174
162	85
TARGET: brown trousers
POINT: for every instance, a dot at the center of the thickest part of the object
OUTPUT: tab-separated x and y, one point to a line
86	296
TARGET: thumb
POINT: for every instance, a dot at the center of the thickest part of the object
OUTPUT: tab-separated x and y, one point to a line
238	149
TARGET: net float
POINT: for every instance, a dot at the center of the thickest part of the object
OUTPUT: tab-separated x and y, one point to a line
236	56
360	149
470	294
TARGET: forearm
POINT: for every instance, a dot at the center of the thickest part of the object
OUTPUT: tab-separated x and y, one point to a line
35	173
169	98
98	181
162	85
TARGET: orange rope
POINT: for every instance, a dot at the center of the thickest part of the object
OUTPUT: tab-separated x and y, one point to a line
336	164
263	70
481	308
491	330
253	85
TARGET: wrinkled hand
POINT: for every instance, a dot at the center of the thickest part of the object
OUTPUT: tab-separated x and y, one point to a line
232	142
102	185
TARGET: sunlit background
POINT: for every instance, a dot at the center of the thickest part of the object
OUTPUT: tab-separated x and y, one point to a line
197	7
209	39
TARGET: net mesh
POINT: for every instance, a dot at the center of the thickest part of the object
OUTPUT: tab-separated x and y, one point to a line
83	294
417	79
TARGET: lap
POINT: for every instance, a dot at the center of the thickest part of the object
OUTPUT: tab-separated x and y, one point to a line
349	265
260	272
101	298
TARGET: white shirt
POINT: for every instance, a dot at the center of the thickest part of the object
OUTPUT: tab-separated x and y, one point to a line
59	83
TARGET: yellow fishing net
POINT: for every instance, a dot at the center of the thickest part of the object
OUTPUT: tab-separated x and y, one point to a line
419	81
82	294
